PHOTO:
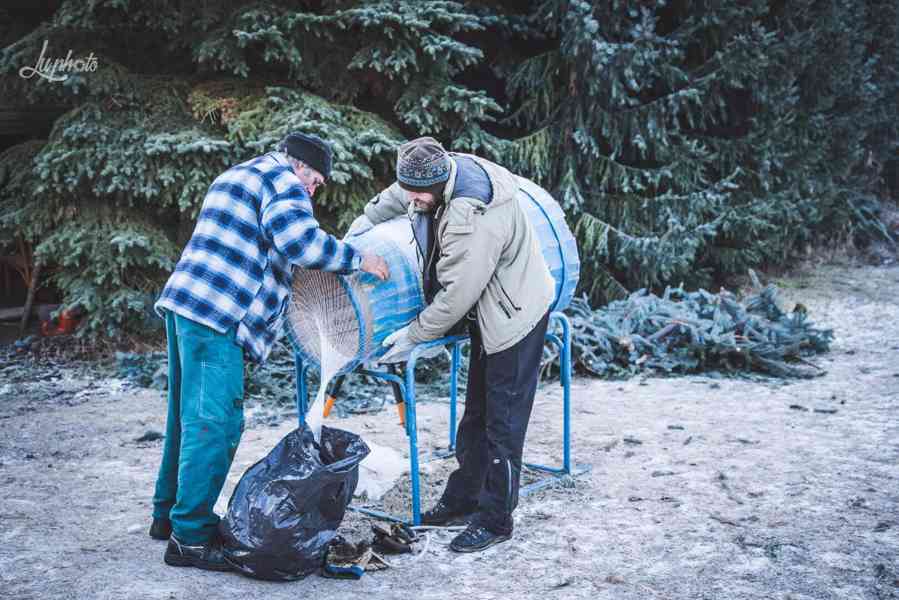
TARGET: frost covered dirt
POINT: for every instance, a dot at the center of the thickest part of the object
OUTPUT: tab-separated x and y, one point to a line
700	488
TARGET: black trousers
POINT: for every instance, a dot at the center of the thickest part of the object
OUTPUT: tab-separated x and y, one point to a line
490	440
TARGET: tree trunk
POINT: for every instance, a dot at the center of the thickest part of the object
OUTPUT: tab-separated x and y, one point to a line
29	300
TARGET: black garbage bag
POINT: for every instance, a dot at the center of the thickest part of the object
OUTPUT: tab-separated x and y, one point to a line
286	508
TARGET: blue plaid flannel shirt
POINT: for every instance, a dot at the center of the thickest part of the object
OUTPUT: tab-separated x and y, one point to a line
235	271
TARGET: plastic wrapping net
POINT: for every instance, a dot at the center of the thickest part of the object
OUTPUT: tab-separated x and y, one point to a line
336	322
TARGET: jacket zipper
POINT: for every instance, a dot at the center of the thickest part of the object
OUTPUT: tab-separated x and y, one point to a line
419	251
506	294
434	244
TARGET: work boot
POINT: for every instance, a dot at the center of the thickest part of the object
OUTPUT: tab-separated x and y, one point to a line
443	514
207	556
160	529
477	538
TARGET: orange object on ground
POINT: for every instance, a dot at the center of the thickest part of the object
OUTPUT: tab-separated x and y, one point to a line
65	324
329	404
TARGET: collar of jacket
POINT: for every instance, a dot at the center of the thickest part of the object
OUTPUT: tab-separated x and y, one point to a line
451	182
502	182
280	158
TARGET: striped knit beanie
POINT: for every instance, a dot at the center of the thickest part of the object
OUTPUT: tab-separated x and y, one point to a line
422	163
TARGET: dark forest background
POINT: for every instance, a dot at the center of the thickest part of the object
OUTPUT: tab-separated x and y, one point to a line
687	141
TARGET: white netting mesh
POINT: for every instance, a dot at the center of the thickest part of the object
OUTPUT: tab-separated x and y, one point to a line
339	321
325	322
322	314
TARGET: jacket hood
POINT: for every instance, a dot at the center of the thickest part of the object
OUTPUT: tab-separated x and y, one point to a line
502	182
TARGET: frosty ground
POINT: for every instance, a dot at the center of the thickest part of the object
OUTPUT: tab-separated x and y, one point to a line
701	487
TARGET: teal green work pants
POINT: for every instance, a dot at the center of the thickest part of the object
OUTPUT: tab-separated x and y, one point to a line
203	426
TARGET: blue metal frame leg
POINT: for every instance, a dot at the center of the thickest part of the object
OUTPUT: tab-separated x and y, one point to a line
302	395
567	470
411	424
454	386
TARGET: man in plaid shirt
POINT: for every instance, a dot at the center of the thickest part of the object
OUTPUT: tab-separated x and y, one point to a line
227	298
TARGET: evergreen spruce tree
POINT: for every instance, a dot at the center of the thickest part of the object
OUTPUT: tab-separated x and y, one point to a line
687	139
183	91
697	138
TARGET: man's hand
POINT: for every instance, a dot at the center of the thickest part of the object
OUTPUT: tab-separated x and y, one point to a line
400	346
377	266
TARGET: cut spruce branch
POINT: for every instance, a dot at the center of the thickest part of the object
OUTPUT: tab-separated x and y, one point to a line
687	332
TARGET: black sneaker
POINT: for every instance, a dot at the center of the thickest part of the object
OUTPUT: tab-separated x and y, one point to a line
160	529
203	556
443	514
477	538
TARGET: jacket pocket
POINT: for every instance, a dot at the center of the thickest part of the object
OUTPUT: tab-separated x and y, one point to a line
505	310
508	297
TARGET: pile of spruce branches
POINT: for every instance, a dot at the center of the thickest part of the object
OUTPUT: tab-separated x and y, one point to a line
688	332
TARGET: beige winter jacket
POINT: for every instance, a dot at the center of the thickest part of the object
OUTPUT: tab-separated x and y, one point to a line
489	256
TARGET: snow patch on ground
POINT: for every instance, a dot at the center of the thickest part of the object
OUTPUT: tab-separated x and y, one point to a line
701	487
380	471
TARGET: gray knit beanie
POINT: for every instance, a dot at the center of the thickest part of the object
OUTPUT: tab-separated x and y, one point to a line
422	163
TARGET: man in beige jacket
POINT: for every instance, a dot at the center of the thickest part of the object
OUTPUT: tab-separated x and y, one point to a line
482	265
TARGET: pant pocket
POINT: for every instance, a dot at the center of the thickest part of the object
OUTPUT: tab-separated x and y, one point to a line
221	392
